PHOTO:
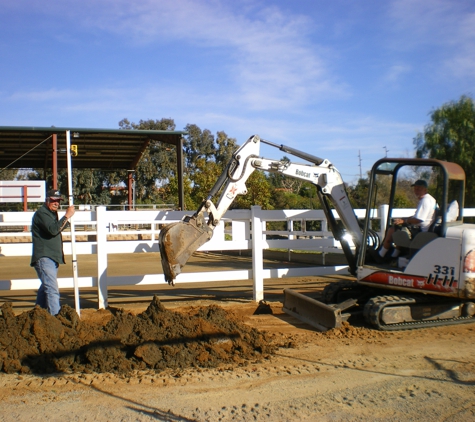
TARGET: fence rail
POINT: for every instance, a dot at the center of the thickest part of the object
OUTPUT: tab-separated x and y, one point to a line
102	232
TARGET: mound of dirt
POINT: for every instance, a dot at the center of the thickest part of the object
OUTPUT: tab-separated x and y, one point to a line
39	343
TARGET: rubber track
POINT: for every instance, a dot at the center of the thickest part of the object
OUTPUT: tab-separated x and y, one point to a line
331	291
374	307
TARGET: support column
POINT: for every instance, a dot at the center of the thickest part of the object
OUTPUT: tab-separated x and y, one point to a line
25	198
130	189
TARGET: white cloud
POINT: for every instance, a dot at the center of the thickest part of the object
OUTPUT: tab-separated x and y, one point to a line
445	26
273	63
269	57
420	17
42	96
395	72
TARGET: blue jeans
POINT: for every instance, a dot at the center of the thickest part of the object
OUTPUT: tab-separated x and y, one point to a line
48	293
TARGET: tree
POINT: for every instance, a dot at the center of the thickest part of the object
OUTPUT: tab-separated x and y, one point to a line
8	174
170	192
358	194
225	148
199	144
259	192
155	175
451	136
157	165
91	187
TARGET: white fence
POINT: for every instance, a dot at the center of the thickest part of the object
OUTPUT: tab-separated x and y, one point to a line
233	233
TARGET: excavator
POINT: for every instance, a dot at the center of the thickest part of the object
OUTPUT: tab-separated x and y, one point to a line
434	283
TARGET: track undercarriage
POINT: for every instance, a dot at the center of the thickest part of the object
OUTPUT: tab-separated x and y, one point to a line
392	313
380	308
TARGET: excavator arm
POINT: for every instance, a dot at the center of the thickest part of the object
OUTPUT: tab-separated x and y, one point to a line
178	241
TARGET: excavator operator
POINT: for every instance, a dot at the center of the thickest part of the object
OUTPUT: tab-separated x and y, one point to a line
420	221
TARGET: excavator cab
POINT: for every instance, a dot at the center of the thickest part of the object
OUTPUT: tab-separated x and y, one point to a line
390	181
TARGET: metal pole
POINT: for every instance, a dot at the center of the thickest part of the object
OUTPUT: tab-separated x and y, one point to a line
25	203
71	222
54	176
133	190
130	182
180	168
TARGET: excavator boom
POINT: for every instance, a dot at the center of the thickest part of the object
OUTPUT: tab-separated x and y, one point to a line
178	241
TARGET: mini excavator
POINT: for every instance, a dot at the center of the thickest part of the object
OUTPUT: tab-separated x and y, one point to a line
436	284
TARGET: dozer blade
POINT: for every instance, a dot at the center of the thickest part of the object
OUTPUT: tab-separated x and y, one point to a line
178	241
317	314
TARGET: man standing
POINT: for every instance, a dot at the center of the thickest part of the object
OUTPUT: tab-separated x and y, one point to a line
48	249
422	219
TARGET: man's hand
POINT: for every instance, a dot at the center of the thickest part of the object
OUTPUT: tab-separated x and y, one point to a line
70	211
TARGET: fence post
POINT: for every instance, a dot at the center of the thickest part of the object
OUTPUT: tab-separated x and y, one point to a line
101	230
257	254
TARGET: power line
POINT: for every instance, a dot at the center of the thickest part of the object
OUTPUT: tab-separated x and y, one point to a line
26	153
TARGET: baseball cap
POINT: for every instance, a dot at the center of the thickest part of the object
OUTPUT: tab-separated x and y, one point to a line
420	182
54	194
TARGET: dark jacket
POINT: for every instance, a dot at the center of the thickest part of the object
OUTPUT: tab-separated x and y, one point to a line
46	235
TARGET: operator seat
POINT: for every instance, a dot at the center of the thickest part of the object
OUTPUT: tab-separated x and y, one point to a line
402	240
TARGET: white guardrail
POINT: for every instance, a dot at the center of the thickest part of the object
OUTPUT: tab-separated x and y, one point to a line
233	233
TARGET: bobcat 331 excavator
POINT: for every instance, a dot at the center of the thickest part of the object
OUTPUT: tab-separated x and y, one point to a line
435	287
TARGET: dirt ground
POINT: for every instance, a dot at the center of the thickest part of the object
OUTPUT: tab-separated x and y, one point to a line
231	361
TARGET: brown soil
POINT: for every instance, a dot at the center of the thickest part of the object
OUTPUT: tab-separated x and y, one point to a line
120	342
238	361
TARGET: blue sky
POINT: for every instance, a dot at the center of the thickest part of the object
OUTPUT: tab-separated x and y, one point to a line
345	80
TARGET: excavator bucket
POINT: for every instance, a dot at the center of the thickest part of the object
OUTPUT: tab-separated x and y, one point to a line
317	314
178	241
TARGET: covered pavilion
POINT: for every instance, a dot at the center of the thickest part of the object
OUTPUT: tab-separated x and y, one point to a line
24	147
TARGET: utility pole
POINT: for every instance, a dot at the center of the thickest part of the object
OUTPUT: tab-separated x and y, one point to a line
387	150
359	157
